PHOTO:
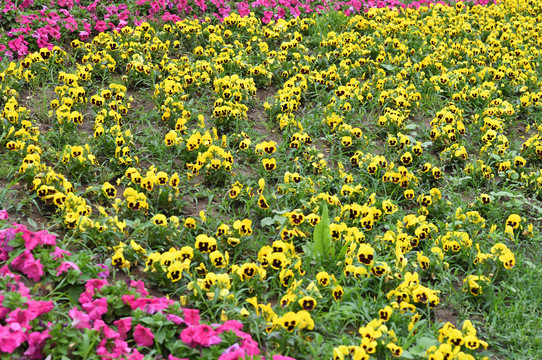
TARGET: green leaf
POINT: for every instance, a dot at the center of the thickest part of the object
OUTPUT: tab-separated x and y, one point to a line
160	335
267	221
280	219
32	223
305	203
427	144
503	193
389	67
321	235
422	344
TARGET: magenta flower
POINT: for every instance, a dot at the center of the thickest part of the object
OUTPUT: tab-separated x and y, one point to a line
123	326
65	266
45	237
29	266
143	336
135	355
95	284
19	262
80	319
229	325
119	348
36	342
3	213
200	335
150	305
177	320
37	308
6	236
243	9
267	16
4	271
19	316
191	316
100	26
234	352
33	269
159	304
11	337
140	287
59	253
100	325
83	35
103	274
3	310
96	308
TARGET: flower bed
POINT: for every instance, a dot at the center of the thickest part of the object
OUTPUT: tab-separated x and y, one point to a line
327	182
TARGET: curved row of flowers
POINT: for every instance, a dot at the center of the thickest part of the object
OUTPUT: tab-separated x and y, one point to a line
35	24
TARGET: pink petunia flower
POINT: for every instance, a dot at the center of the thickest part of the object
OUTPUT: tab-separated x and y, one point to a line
100	325
140	287
229	325
191	316
31	240
33	269
45	237
234	352
177	320
19	262
119	348
3	213
100	26
19	316
267	16
3	310
143	336
103	274
243	9
80	320
123	326
96	308
11	337
37	308
36	342
65	266
95	284
135	355
59	253
200	335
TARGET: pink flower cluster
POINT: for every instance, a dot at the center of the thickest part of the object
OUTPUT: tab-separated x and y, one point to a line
44	28
18	325
114	344
25	262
